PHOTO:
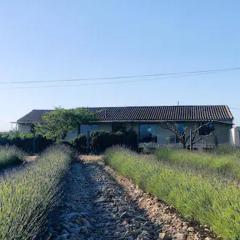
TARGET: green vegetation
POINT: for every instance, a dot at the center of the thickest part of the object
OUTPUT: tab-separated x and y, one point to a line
99	141
28	195
25	141
224	161
80	143
56	124
196	196
10	156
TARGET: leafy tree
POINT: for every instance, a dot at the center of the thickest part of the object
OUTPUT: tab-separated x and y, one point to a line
57	123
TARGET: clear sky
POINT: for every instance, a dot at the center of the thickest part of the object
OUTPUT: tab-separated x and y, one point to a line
66	39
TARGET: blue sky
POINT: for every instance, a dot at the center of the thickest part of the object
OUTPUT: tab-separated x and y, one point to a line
51	40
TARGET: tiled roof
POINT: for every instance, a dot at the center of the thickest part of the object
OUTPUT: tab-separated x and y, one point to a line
150	113
33	117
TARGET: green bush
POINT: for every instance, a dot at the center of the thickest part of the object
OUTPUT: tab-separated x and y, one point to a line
10	156
26	142
208	200
29	195
101	140
227	164
130	139
80	143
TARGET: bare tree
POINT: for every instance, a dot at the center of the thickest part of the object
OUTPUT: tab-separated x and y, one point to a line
187	137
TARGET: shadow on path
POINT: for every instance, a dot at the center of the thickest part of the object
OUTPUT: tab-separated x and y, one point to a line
95	206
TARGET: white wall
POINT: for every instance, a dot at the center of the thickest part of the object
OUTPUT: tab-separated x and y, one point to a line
235	136
24	128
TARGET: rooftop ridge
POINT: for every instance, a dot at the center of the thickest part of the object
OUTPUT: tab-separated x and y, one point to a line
149	113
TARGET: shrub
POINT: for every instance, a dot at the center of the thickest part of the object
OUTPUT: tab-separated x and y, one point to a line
101	140
28	195
80	143
209	200
10	156
26	142
130	139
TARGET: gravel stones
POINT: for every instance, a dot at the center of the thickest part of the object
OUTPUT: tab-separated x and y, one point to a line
95	207
100	205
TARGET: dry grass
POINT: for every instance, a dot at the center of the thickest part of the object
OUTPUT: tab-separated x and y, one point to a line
91	157
31	158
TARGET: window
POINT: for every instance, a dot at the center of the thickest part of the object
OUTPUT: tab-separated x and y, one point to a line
172	139
206	129
146	132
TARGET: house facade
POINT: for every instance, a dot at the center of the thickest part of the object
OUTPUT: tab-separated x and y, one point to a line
151	123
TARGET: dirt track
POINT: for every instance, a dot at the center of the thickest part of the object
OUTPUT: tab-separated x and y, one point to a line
99	204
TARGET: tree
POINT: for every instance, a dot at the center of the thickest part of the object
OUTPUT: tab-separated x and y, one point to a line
57	123
188	137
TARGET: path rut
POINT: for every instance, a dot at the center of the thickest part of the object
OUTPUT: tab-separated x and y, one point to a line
98	204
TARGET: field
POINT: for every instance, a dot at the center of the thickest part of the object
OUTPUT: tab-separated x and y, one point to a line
182	180
10	156
224	161
202	187
28	195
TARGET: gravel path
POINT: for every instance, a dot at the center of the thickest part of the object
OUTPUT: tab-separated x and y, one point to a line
99	205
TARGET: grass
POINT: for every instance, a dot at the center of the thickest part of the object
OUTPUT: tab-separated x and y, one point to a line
204	199
224	161
10	156
28	195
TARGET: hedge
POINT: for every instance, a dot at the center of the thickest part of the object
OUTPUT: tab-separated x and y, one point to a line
26	142
99	141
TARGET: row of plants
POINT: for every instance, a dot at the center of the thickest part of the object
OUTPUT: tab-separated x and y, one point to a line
10	156
99	141
223	160
28	195
207	200
27	142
